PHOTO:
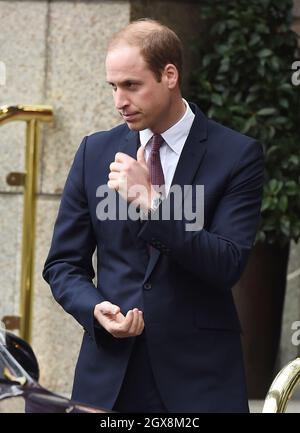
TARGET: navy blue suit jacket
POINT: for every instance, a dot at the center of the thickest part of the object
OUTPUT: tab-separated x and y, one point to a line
184	289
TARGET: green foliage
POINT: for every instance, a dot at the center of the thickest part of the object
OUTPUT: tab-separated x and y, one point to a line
244	81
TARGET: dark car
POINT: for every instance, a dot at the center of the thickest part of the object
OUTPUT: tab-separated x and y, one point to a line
19	376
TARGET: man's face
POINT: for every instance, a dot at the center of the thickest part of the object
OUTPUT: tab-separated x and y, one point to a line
142	101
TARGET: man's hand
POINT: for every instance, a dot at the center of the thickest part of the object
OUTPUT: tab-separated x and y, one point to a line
110	317
130	177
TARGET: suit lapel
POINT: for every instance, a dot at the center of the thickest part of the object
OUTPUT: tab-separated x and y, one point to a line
153	258
130	147
131	144
189	162
193	151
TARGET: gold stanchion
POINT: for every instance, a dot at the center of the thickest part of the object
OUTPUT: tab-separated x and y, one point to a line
282	387
32	115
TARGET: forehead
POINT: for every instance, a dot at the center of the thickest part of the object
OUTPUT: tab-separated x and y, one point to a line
125	59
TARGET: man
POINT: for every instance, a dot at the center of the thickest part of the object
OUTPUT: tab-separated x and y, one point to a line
161	329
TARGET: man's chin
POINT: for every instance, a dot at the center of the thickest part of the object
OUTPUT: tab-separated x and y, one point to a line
135	126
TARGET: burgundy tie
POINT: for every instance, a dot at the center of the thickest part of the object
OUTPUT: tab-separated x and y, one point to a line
155	169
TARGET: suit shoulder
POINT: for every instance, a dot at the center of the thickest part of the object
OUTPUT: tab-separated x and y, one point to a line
232	145
228	135
100	137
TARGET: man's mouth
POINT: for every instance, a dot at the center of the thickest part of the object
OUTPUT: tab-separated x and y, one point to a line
129	116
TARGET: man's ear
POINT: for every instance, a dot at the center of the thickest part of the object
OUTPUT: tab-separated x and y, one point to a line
171	75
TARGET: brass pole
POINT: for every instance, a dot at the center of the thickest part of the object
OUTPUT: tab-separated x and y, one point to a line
282	388
27	267
32	115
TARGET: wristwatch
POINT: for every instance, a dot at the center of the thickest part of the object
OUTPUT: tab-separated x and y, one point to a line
155	202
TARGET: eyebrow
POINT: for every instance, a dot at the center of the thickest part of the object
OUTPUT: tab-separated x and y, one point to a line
125	82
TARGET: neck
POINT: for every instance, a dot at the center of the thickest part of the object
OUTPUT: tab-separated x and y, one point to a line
177	110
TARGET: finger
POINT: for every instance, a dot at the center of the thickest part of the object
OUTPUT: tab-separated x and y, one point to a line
141	321
135	322
116	166
107	307
140	155
123	328
113	175
122	157
113	184
141	324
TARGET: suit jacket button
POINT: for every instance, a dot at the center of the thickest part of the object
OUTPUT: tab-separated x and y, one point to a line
147	286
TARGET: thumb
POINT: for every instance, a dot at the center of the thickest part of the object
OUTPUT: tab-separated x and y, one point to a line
109	308
140	155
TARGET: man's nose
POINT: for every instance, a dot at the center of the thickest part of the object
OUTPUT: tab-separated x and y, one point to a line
121	99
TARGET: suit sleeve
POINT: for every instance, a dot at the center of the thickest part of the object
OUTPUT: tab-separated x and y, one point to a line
68	268
217	254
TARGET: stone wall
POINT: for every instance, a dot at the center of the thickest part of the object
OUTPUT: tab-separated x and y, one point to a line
53	52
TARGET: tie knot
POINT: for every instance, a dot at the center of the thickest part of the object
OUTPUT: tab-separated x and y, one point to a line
156	142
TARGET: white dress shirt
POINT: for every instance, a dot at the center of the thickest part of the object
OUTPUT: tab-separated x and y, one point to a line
170	150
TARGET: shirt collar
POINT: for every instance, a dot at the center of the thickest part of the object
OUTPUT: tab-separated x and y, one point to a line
176	135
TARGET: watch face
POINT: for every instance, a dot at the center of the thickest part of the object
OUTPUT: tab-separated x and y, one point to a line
156	201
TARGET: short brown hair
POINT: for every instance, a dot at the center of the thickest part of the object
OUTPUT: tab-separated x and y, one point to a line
159	44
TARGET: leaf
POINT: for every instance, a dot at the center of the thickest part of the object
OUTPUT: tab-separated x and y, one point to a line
238	97
262	28
283	203
206	86
255	38
219	28
275	186
285	86
284	103
235	77
281	120
217	99
222	49
266	204
272	150
291	187
275	63
207	59
264	53
219	87
224	65
232	24
250	98
266	111
294	160
271	132
260	236
261	70
285	225
254	88
249	123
